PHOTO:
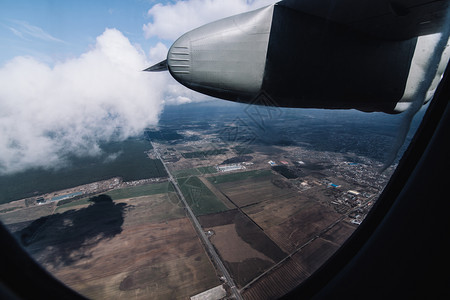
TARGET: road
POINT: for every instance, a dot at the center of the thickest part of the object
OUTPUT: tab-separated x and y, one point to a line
209	247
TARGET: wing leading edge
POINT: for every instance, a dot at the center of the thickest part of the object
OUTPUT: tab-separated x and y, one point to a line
366	55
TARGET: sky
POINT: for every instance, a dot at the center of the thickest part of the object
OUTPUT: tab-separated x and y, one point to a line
71	72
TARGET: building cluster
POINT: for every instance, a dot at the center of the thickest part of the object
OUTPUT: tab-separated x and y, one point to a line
228	168
89	189
345	200
141	182
365	174
76	192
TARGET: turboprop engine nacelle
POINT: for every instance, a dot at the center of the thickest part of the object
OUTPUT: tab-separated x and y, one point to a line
300	60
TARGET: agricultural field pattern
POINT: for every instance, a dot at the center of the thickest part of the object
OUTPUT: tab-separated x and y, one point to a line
226	200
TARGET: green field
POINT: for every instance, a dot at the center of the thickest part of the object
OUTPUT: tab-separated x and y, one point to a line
207	170
131	192
186	173
131	163
194	172
201	200
239	176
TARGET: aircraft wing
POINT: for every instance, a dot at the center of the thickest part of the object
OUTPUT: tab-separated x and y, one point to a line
347	54
388	19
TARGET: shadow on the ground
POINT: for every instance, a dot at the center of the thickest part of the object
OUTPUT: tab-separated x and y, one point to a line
62	239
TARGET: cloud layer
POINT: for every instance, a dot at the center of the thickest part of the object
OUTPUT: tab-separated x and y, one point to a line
26	31
48	113
169	21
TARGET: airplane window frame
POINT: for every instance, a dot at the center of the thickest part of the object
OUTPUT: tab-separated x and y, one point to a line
21	277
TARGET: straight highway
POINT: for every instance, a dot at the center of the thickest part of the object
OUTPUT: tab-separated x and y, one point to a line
208	246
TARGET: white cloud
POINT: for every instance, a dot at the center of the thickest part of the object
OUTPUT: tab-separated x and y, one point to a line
158	53
112	157
24	30
175	93
16	32
172	20
47	112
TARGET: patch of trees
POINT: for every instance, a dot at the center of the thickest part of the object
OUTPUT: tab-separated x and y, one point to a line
285	171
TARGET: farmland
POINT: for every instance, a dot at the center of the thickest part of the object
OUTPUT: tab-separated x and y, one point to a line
186	173
123	193
295	269
239	176
19	218
244	248
199	197
207	170
194	171
272	221
143	190
155	251
257	189
274	214
291	221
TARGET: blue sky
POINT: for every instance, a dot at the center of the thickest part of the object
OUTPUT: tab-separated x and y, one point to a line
53	30
27	27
